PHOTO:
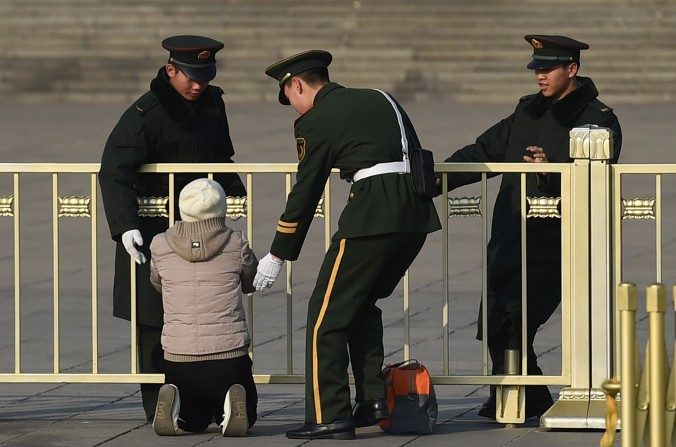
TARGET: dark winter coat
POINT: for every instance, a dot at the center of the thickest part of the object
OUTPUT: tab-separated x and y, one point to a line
160	127
537	121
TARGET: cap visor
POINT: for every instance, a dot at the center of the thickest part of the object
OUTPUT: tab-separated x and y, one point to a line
539	64
282	98
200	74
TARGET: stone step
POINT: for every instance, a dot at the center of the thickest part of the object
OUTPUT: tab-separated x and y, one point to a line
71	50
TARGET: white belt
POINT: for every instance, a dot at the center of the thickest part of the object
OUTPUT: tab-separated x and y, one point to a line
392	167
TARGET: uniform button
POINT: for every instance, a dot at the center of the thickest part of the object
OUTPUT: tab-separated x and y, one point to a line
351	195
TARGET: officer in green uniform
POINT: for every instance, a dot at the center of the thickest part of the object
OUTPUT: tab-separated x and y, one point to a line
380	232
181	119
537	131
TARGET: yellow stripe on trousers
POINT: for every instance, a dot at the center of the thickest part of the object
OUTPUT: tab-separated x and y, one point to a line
325	304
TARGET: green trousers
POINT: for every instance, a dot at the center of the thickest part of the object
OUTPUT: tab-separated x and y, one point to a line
344	324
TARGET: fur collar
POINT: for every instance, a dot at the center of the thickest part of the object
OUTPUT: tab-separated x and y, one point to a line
179	110
566	110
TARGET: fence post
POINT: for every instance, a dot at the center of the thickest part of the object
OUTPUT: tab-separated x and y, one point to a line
603	285
656	305
627	303
582	404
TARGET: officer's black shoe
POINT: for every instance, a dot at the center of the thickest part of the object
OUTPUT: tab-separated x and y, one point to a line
370	412
336	430
487	409
538	400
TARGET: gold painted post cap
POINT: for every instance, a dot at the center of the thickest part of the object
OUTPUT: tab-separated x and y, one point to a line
286	68
656	298
626	296
549	51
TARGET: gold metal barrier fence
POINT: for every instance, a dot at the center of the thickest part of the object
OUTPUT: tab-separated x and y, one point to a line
584	186
648	395
635	401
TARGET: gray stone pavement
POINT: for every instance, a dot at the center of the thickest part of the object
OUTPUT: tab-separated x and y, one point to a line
109	414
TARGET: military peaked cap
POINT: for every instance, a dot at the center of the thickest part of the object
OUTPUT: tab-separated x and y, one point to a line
195	56
549	51
293	65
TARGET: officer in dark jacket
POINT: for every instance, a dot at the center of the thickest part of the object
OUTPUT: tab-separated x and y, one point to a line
380	232
181	119
537	131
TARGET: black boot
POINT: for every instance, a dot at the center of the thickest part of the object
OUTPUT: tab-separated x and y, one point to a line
343	429
538	400
370	412
487	409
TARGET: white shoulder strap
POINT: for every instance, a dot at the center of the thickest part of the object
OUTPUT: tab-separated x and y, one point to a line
404	141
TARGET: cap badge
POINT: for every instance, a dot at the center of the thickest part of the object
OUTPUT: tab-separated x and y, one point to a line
536	43
300	147
204	54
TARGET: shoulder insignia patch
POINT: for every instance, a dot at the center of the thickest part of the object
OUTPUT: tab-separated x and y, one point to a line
300	147
601	107
145	103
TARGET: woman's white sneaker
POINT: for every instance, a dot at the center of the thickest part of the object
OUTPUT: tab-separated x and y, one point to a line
235	421
166	412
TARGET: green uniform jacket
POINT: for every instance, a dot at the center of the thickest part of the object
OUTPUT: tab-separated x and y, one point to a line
537	121
352	129
160	127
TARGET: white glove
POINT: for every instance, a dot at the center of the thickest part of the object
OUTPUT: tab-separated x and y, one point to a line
268	269
130	239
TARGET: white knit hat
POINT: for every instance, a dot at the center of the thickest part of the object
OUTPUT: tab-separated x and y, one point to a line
202	199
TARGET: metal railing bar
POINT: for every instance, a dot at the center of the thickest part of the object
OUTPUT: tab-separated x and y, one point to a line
132	297
94	259
172	198
524	280
289	296
445	266
658	227
484	274
250	235
407	318
17	275
55	266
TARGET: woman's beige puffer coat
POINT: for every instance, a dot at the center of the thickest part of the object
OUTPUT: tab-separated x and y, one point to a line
199	268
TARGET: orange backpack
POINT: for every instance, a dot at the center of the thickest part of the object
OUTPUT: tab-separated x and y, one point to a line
411	401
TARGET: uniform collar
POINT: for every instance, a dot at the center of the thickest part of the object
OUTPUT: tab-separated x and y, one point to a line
321	94
325	90
179	110
566	110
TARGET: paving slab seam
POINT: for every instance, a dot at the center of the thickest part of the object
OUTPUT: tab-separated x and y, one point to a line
120	434
391	353
512	441
33	395
74	415
207	441
271	412
400	320
263	343
470	394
